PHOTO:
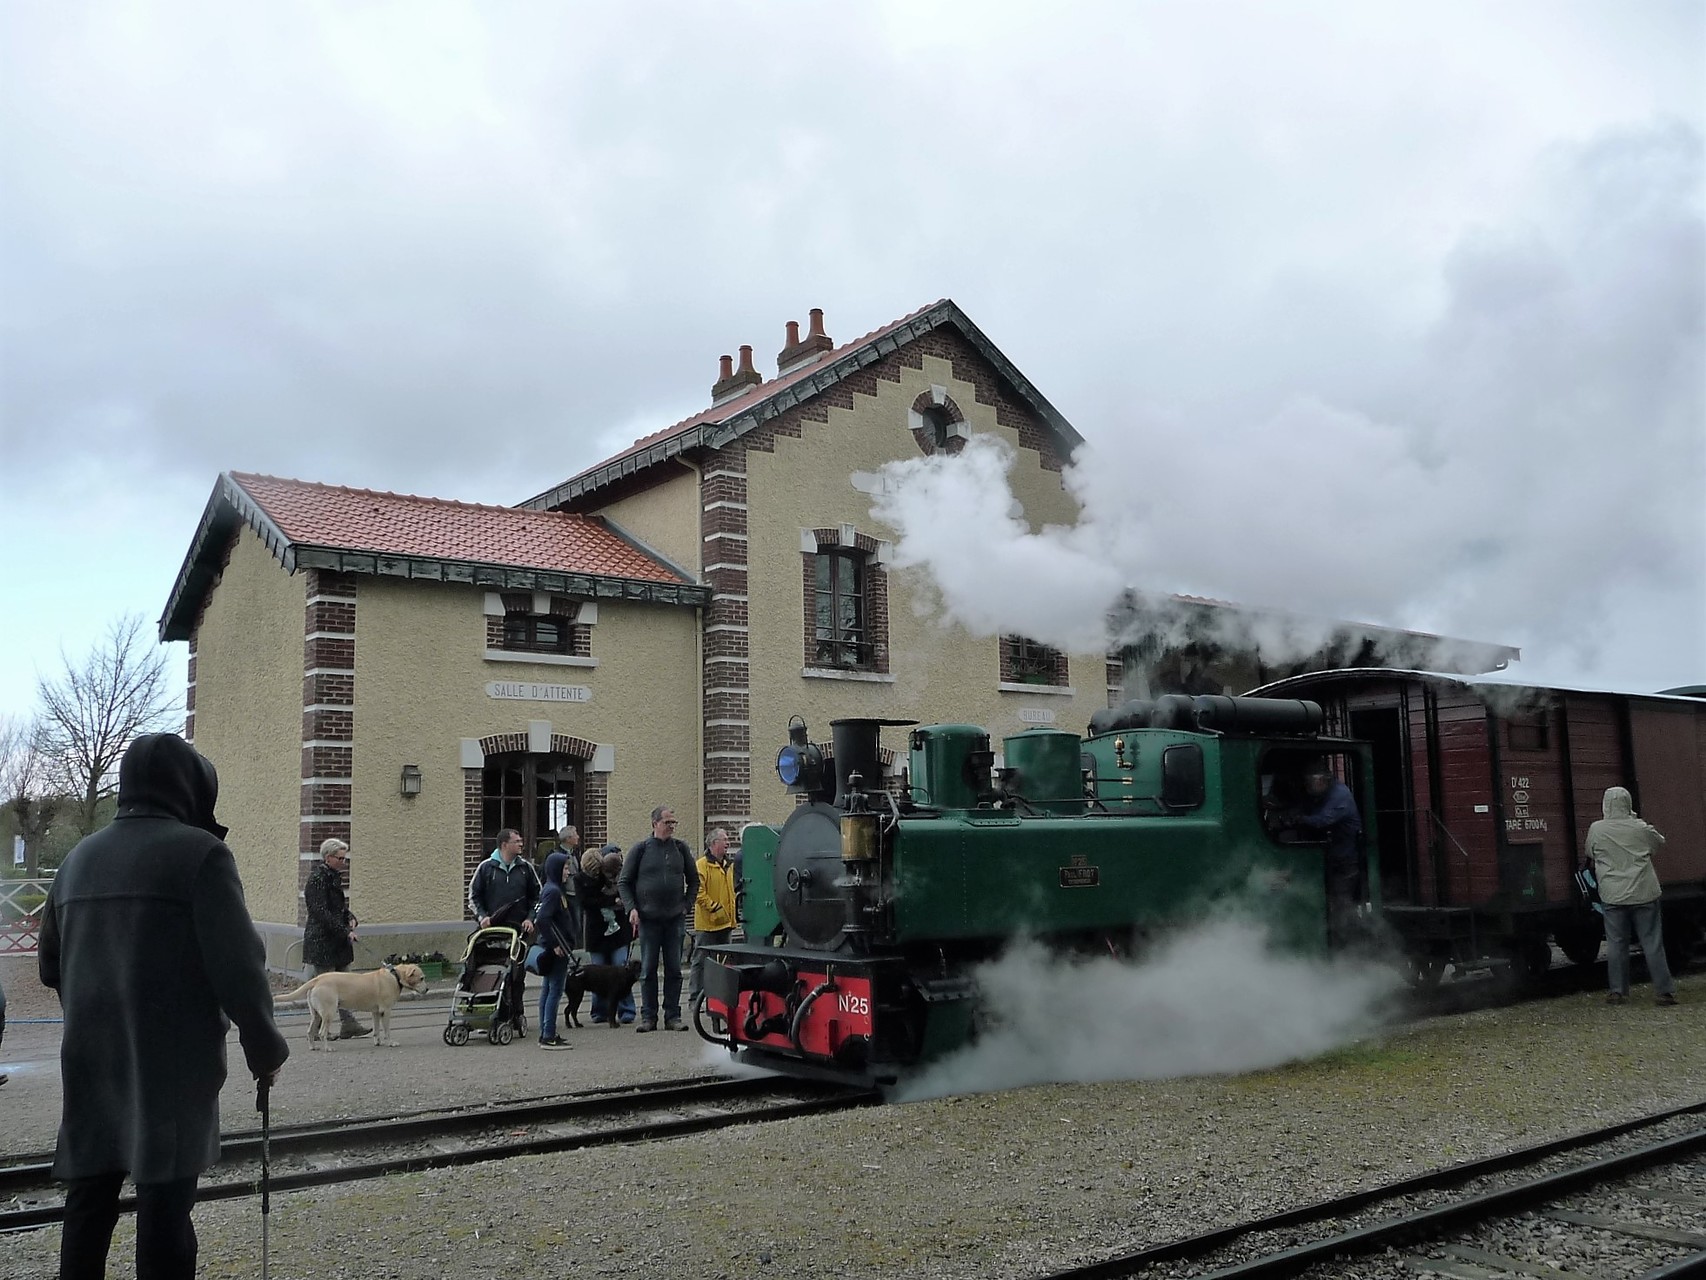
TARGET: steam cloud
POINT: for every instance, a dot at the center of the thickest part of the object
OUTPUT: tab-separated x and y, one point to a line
1213	1001
1529	468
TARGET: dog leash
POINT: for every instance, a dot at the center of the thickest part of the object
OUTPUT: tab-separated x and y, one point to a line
263	1104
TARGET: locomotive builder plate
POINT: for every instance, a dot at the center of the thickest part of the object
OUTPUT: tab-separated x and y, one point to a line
1080	875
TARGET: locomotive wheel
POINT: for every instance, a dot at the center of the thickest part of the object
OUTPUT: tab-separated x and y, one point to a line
503	1033
460	1035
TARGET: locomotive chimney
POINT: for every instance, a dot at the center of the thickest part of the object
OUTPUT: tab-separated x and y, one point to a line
855	743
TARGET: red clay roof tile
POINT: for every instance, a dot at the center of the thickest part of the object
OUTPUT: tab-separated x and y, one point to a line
401	524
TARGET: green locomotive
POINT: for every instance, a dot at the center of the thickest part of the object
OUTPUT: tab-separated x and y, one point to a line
867	910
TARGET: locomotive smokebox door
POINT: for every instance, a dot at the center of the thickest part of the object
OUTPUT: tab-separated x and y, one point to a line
808	866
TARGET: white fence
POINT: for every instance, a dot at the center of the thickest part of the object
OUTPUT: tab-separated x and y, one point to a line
20	914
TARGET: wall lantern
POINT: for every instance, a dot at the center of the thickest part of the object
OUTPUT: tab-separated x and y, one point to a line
411	779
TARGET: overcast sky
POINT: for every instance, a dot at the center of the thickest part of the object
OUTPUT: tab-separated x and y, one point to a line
1402	305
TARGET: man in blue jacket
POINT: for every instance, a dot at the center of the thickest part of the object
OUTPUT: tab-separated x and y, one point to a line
1333	815
658	884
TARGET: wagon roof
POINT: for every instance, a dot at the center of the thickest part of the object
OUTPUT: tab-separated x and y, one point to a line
1295	684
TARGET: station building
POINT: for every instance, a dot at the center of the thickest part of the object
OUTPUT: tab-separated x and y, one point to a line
412	674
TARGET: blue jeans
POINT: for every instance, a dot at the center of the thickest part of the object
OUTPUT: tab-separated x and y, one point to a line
625	1010
1649	928
665	936
550	995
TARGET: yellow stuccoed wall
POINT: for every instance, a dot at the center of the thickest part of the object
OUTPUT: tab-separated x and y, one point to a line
665	516
941	673
420	688
248	719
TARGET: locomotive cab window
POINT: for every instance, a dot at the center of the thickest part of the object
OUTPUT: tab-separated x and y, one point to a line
1286	793
1182	785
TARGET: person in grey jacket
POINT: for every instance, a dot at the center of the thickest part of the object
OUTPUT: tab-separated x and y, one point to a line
146	937
1621	847
658	885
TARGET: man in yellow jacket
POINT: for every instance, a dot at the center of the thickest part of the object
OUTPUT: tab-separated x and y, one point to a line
713	909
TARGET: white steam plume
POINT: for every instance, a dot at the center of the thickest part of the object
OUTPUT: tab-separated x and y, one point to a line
1214	1001
1528	470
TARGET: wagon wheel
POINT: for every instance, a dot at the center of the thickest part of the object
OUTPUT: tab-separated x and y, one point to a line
503	1033
1426	970
1681	936
1530	958
1580	942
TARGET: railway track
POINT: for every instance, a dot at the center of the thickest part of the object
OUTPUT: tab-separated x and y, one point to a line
313	1155
1474	1221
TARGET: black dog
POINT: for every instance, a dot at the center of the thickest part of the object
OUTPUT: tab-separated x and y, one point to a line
610	982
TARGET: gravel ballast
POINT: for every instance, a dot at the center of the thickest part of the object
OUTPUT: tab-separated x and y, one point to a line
1003	1184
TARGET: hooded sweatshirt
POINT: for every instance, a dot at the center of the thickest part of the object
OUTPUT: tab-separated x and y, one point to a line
1622	848
553	921
147	940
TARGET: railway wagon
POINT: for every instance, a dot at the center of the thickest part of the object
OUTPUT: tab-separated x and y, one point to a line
867	910
1484	792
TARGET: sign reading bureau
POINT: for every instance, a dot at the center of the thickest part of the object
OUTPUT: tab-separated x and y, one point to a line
528	691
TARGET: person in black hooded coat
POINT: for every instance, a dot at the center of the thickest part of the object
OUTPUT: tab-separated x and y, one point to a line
146	937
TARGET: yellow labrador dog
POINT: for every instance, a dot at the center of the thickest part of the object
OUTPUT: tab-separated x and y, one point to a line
373	993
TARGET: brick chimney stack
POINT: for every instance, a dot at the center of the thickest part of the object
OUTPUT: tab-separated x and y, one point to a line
729	383
800	351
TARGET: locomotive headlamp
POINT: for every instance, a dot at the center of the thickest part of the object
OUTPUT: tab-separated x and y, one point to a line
799	764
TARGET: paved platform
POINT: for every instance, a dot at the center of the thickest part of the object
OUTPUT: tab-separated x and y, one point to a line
358	1077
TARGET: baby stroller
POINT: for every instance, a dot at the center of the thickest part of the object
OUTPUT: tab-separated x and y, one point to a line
488	992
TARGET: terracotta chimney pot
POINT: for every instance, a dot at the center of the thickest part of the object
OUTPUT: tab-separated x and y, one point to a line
801	351
733	381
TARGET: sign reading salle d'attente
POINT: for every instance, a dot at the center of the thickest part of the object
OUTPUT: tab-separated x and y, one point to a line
528	691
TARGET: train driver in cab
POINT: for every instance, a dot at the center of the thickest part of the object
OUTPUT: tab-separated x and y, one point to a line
1329	812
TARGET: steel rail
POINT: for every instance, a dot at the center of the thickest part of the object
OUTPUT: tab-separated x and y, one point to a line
1197	1246
36	1168
1459	1214
308	1138
645	1131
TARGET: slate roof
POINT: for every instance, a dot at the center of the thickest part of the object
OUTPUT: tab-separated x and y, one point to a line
367	531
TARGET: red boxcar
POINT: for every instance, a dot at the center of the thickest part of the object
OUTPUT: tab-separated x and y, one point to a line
1485	792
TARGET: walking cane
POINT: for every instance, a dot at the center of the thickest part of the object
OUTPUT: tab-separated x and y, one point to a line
263	1088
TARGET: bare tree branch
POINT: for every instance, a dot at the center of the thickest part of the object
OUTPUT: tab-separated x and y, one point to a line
26	784
93	711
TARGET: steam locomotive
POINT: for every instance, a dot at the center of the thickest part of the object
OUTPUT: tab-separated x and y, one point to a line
868	909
